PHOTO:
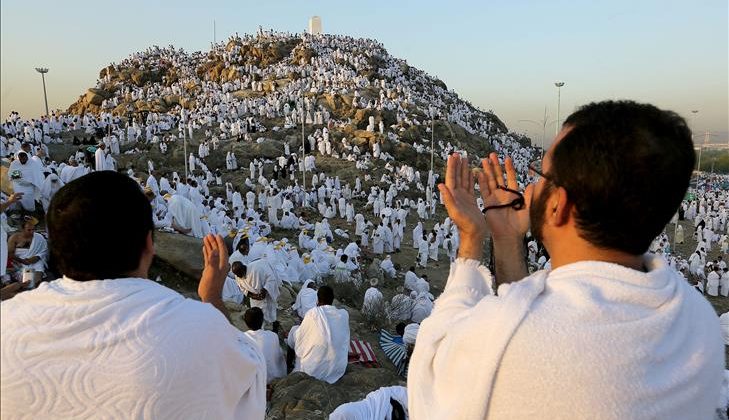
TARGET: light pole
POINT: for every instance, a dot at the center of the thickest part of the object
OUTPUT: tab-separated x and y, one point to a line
303	149
559	98
431	175
43	71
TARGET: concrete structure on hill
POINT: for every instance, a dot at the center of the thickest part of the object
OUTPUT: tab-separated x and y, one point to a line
315	25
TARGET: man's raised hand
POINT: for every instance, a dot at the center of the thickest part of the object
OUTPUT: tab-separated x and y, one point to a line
215	269
460	202
504	223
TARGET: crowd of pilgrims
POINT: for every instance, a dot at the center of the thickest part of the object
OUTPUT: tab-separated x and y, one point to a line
377	216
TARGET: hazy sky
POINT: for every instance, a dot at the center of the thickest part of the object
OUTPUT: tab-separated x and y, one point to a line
500	55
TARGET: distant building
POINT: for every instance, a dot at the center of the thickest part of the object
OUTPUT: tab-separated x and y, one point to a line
315	25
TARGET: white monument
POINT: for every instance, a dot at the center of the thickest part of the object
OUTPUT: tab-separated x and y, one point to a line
315	25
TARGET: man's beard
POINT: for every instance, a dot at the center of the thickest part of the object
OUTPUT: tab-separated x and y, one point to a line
537	208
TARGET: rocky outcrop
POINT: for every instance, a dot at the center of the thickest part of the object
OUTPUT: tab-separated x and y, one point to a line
299	396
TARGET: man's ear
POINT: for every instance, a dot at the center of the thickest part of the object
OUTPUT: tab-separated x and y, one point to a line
561	207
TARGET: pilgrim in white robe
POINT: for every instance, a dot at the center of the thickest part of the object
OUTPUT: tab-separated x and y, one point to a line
260	276
38	248
373	301
305	300
267	343
388	268
321	343
143	347
376	405
712	283
186	215
27	178
50	187
100	160
652	324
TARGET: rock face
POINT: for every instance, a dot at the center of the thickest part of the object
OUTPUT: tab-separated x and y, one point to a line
180	251
299	396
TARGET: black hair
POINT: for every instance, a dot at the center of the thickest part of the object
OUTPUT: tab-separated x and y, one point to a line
239	269
626	167
98	226
325	295
253	318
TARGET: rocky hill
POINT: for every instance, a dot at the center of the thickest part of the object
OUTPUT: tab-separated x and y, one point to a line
328	71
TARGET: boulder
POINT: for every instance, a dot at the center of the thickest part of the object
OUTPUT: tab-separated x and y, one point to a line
299	396
93	98
180	251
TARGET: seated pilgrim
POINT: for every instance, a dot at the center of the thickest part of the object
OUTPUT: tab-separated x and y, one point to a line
267	343
321	342
388	403
28	249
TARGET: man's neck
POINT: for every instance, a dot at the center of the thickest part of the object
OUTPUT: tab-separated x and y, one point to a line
588	252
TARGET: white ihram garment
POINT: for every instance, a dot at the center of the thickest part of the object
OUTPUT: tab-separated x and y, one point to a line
124	348
321	343
586	340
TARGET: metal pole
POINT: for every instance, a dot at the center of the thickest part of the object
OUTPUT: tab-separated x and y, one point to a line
184	148
698	166
432	151
544	130
43	71
303	148
45	95
559	99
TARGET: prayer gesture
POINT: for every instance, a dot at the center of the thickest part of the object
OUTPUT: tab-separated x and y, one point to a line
460	202
216	267
504	220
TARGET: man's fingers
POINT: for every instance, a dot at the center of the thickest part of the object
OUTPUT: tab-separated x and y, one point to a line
498	172
206	258
466	177
489	175
448	201
510	174
450	178
483	185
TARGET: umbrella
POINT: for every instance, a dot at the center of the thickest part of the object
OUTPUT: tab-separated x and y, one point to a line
395	350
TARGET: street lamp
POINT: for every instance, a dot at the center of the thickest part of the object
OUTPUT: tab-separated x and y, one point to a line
434	116
43	71
303	150
559	93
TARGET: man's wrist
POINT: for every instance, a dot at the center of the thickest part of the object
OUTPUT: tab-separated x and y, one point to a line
471	247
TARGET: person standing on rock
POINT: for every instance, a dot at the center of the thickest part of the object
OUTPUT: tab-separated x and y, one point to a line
100	158
156	353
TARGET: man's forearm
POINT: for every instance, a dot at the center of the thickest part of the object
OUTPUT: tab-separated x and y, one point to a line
510	263
471	248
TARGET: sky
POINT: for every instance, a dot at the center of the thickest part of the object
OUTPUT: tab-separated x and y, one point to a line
503	56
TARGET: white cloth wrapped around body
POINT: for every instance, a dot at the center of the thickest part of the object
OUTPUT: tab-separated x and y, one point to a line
124	348
586	340
375	406
321	343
